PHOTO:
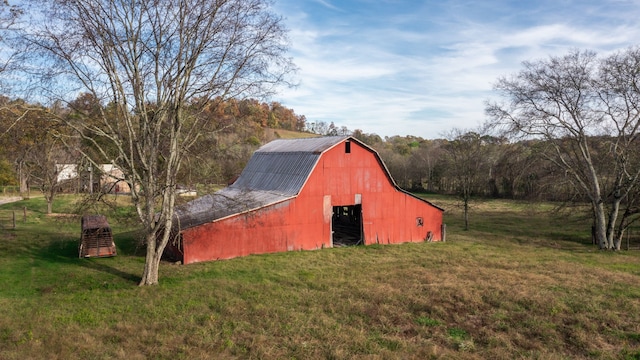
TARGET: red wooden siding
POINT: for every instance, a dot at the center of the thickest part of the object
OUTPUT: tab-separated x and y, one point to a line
389	215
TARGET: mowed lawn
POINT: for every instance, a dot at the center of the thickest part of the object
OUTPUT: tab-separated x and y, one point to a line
521	283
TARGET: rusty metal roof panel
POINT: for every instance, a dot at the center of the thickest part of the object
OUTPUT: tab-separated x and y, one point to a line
94	222
226	202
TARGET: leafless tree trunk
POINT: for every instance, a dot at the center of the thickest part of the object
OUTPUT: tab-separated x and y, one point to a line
628	218
23	179
48	169
154	65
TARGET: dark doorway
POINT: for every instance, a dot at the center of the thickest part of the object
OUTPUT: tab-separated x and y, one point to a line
347	225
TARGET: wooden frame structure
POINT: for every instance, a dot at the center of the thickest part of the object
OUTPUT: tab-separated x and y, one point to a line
96	239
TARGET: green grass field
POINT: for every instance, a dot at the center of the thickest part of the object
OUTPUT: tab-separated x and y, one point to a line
520	284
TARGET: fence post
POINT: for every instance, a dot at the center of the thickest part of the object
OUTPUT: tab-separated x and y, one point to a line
444	232
14	220
24	214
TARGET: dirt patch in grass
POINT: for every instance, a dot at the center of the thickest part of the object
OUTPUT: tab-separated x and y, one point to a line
63	216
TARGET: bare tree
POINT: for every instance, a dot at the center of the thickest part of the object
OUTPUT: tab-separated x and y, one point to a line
467	166
23	129
49	162
9	15
49	154
9	111
574	102
155	65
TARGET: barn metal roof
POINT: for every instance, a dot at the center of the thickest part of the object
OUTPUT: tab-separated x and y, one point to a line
282	173
283	166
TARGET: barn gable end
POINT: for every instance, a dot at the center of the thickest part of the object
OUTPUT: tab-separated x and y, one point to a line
304	194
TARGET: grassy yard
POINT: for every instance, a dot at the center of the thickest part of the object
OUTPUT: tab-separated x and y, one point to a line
519	284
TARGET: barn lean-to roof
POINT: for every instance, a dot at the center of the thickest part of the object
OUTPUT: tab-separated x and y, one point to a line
275	173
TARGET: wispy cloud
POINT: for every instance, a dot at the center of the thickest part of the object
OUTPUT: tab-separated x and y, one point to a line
397	68
327	4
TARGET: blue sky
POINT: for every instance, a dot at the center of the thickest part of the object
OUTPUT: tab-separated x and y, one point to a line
396	67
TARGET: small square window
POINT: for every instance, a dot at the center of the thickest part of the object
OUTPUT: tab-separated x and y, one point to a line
419	221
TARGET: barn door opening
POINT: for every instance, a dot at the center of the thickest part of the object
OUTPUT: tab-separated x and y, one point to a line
346	224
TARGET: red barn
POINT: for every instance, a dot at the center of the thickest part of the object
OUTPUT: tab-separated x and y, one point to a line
304	194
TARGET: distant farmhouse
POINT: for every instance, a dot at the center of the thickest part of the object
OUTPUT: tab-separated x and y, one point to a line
304	194
107	177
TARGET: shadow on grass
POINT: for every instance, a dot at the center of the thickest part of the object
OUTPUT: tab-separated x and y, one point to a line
65	251
51	242
99	266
